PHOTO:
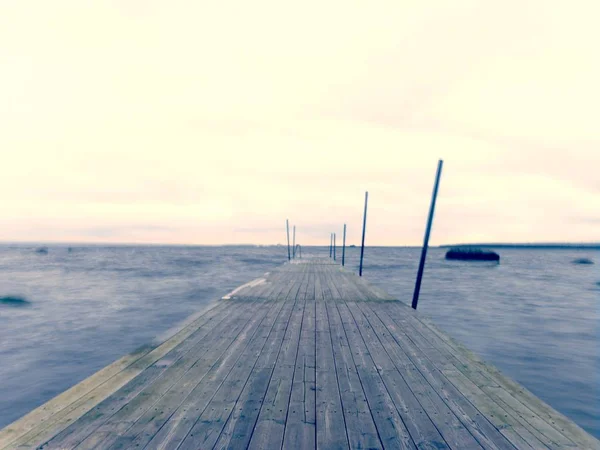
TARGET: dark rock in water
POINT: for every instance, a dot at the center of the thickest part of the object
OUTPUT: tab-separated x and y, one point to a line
353	246
472	254
13	301
42	251
583	261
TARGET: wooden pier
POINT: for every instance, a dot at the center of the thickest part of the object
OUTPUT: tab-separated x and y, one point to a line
308	356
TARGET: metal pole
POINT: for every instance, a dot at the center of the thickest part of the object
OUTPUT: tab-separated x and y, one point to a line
362	246
344	247
415	300
330	245
334	246
287	227
294	245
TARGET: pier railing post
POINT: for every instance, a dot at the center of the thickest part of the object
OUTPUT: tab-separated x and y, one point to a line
334	246
362	245
287	227
344	247
330	244
415	300
294	243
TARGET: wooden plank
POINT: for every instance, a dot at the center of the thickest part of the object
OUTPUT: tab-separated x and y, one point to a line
270	287
516	433
325	286
162	373
310	287
390	427
260	291
300	424
238	429
354	284
360	427
354	292
319	295
554	439
403	314
280	286
416	418
209	424
74	405
133	428
543	411
541	429
17	432
374	292
174	428
246	290
333	281
330	423
336	285
270	425
368	290
496	378
447	398
455	398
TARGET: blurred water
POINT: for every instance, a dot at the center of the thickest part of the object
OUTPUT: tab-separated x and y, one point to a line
535	315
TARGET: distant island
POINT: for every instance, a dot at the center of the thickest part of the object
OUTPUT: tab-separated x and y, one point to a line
585	246
472	254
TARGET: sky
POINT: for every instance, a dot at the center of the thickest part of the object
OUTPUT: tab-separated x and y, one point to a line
195	122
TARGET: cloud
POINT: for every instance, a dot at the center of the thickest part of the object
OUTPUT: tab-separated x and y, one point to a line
194	120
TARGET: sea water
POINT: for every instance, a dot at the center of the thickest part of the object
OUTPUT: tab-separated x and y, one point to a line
69	312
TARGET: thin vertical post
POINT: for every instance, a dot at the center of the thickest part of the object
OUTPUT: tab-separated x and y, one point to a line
415	300
334	246
287	227
344	247
362	246
294	244
330	244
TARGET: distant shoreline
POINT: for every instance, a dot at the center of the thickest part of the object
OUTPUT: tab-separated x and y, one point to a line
59	244
566	246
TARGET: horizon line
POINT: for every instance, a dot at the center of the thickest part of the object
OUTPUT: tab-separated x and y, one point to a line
163	244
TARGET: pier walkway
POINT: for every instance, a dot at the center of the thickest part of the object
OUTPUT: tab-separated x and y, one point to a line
308	356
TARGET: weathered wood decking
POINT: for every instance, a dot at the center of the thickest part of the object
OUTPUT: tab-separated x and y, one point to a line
310	356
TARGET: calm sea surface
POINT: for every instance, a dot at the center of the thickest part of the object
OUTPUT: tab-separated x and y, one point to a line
536	316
